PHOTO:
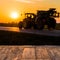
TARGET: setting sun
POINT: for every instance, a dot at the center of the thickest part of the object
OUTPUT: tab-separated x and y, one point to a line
14	15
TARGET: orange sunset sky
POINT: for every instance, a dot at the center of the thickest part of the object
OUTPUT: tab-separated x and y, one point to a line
9	7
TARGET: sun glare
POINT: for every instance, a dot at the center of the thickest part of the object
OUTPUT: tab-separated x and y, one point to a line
14	15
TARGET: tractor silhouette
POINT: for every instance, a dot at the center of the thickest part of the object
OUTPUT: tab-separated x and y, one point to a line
39	20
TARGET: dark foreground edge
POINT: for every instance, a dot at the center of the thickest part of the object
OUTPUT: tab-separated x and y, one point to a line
16	38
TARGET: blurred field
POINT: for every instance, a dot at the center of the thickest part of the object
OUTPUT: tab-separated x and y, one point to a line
19	38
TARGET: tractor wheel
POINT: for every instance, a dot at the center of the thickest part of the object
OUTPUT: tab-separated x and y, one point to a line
20	25
40	25
27	25
51	24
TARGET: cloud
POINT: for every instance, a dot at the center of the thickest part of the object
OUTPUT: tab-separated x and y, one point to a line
29	1
25	1
39	0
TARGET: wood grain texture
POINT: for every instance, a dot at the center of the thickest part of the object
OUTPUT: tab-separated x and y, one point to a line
29	52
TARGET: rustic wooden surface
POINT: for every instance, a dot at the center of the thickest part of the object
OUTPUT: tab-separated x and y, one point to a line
29	52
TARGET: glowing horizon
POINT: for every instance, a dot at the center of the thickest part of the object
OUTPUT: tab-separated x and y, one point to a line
22	6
